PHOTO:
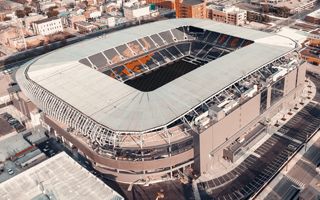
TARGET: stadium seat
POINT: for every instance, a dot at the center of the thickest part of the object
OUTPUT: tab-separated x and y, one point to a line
135	66
85	61
167	36
222	39
98	60
156	38
184	48
124	51
166	54
123	72
212	37
149	62
112	55
175	52
147	43
158	57
136	47
196	47
204	50
178	34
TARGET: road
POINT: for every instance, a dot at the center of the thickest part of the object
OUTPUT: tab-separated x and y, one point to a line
291	20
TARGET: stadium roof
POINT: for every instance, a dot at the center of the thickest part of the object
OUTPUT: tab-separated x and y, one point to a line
59	177
123	108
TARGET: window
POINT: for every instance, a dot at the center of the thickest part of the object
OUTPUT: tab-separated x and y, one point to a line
263	100
277	91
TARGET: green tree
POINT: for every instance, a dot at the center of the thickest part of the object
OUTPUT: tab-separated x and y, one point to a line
52	13
20	13
27	11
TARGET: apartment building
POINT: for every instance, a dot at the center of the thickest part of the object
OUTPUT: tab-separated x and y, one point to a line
228	15
190	8
48	26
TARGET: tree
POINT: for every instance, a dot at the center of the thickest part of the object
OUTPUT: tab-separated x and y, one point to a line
283	12
265	8
20	13
52	13
71	5
27	11
6	18
85	2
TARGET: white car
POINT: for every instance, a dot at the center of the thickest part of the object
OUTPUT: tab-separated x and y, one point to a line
10	171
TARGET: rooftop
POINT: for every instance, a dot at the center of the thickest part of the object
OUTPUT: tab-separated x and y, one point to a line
46	20
59	177
315	14
11	145
123	108
192	2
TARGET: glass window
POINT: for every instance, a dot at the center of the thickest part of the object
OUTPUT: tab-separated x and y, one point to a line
277	91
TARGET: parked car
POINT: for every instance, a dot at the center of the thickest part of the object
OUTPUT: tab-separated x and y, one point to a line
10	171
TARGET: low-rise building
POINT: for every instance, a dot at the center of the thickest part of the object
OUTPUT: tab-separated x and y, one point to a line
311	52
136	11
74	18
313	17
86	27
190	9
59	177
162	3
229	15
92	13
48	26
109	21
45	5
294	6
33	17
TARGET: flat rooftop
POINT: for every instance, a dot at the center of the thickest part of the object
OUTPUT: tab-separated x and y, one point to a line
59	177
192	2
315	14
121	107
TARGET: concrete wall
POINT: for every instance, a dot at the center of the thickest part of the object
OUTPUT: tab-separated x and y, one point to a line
220	133
290	81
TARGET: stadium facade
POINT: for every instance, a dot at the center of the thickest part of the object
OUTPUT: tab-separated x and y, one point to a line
145	103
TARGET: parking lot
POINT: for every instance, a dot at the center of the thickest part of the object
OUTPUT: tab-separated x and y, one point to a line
12	122
5	127
50	147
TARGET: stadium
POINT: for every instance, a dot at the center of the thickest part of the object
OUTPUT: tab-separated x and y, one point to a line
149	102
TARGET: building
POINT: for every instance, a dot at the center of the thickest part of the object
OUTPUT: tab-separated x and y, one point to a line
92	13
14	146
311	51
313	17
48	26
59	177
190	9
227	82
136	11
229	15
73	18
162	3
33	17
85	27
294	6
